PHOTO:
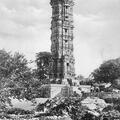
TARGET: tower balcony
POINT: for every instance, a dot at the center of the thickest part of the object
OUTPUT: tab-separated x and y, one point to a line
67	37
66	2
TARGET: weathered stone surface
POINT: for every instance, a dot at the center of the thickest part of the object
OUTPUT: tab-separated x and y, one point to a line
54	89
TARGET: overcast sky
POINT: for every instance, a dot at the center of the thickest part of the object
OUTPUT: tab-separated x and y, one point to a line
25	27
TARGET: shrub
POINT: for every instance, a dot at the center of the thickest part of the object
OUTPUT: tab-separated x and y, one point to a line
18	111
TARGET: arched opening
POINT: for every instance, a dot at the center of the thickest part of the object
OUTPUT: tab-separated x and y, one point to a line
66	30
66	41
66	17
67	64
67	67
66	7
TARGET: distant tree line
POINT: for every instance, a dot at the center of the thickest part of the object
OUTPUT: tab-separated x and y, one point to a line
108	72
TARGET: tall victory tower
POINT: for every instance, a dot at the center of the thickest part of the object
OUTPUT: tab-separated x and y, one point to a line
62	40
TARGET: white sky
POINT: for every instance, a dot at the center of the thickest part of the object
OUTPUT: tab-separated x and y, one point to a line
25	27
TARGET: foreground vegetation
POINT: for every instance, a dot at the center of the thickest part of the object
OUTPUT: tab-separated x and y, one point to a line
18	80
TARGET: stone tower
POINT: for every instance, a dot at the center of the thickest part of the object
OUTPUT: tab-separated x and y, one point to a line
62	40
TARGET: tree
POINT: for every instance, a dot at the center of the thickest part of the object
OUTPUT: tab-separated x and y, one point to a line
43	60
15	77
4	90
108	71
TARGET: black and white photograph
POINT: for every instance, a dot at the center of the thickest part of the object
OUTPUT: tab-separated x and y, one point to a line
59	60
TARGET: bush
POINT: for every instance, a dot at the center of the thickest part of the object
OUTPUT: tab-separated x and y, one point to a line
3	116
113	100
18	111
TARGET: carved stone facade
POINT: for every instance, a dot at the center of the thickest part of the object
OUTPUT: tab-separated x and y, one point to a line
62	40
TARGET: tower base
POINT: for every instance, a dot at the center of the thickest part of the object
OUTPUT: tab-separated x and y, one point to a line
65	82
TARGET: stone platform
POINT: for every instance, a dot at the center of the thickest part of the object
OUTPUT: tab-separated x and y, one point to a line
55	89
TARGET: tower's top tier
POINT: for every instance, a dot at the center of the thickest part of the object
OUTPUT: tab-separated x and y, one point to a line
69	2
